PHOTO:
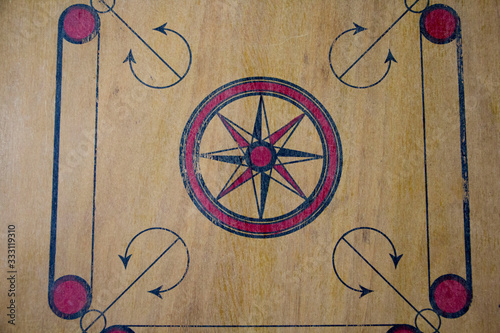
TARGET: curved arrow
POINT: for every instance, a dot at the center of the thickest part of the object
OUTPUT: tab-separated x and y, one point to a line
395	258
102	313
409	9
357	29
125	258
158	291
131	58
163	30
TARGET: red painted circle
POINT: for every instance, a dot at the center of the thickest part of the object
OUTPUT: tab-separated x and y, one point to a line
70	297
79	23
451	296
261	156
440	24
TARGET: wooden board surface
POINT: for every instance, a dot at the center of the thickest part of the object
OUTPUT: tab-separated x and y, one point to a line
250	166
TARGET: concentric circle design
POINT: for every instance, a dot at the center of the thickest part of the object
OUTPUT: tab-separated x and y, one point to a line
261	155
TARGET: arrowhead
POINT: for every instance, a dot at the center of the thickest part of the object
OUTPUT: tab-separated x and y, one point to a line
125	260
129	58
390	57
395	258
162	29
364	291
358	28
156	292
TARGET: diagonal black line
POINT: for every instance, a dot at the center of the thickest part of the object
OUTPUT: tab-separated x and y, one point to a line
387	281
378	39
238	126
255	192
130	286
284	167
229	180
285	186
290	135
142	40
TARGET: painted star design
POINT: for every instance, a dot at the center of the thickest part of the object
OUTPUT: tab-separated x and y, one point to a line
260	157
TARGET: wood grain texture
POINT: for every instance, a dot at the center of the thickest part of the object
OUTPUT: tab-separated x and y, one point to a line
235	281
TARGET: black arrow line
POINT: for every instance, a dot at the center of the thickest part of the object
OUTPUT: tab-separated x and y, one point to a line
390	285
158	291
125	258
395	258
132	284
379	38
140	38
363	291
390	59
163	30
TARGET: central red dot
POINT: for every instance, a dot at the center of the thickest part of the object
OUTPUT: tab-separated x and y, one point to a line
440	24
451	296
70	297
261	156
79	23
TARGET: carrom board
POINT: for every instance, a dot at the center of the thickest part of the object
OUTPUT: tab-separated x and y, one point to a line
250	166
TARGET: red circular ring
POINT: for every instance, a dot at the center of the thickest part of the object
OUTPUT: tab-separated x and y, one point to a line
289	224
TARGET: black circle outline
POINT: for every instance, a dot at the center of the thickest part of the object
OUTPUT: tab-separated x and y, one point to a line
419	314
426	33
297	210
416	11
52	289
103	11
101	314
432	296
87	39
